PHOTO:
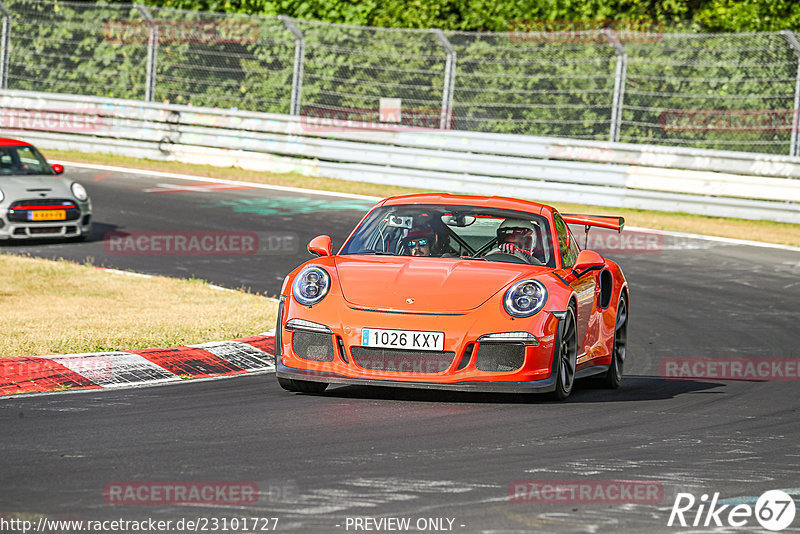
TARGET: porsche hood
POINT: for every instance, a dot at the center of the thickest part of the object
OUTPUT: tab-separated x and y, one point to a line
427	285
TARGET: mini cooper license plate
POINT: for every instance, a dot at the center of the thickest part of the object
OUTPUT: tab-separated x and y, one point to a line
402	339
47	215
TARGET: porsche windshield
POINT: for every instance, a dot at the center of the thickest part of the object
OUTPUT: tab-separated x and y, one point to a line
444	231
16	160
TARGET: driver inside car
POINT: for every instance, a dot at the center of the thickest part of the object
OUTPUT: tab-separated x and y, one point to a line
419	241
517	237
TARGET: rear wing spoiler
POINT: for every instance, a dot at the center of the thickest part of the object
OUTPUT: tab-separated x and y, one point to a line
600	221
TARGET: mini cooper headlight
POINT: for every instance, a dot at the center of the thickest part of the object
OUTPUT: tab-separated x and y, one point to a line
79	191
525	298
311	285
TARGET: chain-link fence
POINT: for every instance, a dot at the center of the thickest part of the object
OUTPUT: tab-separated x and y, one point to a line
722	91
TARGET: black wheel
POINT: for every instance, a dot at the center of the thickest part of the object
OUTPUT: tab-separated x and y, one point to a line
302	386
287	384
613	376
567	356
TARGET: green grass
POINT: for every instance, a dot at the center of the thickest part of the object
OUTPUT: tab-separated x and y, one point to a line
61	307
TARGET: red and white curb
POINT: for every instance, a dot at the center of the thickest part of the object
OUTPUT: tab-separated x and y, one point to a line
99	370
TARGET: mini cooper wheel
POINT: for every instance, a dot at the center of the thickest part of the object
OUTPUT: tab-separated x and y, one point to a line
567	357
302	386
613	376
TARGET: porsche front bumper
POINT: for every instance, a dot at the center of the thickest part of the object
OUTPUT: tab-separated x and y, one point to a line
463	340
544	385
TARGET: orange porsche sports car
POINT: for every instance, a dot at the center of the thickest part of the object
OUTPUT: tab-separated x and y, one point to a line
455	292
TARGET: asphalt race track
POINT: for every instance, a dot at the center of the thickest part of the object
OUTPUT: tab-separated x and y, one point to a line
138	206
448	460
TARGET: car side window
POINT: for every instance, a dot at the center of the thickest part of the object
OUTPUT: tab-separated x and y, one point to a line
566	242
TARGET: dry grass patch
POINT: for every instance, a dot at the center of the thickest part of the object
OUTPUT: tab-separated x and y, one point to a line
784	234
60	307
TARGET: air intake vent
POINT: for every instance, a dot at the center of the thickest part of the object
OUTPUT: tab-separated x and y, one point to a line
313	346
500	356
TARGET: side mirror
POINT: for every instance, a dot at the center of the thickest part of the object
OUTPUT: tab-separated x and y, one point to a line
57	168
320	245
588	260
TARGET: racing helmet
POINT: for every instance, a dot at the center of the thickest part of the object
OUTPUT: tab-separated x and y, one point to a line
519	232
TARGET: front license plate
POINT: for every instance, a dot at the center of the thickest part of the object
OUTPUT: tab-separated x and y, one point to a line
47	215
402	339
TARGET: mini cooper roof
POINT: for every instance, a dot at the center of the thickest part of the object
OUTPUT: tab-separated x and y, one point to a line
6	141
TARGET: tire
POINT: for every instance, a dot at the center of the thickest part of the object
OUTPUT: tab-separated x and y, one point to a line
287	384
302	386
613	377
567	356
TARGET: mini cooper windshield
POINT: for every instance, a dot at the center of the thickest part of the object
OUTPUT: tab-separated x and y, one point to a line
16	160
466	232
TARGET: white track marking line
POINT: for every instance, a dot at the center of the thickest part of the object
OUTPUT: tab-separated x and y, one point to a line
216	180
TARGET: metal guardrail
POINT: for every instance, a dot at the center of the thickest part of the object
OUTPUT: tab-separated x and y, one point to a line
728	184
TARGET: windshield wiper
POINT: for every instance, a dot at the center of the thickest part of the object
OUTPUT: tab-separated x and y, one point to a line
472	258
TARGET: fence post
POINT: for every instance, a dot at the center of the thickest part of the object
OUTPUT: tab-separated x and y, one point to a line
299	59
449	79
152	50
619	83
5	41
794	149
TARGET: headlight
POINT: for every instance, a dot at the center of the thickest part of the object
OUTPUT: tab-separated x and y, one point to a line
79	191
525	298
311	285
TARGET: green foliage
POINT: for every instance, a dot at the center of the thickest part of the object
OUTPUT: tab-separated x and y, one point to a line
497	15
40	35
750	16
518	82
